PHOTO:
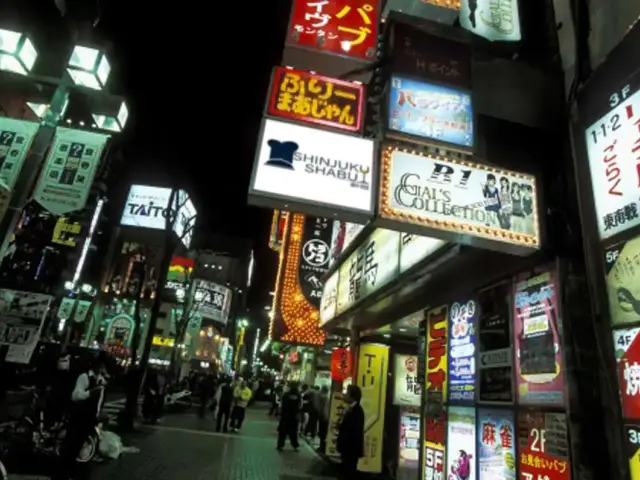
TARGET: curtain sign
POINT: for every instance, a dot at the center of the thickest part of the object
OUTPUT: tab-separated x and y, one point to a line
69	170
462	350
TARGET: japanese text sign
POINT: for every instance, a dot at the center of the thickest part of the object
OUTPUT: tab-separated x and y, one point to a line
461	443
373	366
340	364
537	323
622	267
613	148
437	339
308	97
435	431
543	446
336	412
407	389
496	445
626	343
421	54
343	27
314	258
632	447
463	319
431	112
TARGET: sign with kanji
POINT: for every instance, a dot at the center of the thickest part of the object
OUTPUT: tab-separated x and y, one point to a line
543	446
314	258
626	343
342	27
421	54
437	339
496	445
311	98
68	172
337	408
632	447
340	364
622	268
407	388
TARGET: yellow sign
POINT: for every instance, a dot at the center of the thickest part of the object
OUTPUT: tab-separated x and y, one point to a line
336	412
64	233
373	365
163	341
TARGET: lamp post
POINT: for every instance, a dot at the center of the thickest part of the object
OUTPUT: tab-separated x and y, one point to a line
88	71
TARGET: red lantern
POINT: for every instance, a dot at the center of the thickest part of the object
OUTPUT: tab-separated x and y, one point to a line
340	364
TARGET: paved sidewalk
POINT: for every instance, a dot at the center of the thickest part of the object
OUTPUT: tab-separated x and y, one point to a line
185	446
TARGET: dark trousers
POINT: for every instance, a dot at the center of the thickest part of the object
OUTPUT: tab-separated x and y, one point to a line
222	422
204	402
288	428
77	432
237	417
312	424
322	433
349	470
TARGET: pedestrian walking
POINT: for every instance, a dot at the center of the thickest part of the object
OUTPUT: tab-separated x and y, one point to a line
151	401
241	397
314	413
306	406
289	414
351	433
276	397
224	398
323	417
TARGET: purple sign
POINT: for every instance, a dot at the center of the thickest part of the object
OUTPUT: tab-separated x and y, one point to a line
463	317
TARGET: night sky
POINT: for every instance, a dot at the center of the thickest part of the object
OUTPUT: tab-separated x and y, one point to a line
207	69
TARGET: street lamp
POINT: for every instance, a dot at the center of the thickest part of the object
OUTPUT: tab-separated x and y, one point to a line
89	67
17	53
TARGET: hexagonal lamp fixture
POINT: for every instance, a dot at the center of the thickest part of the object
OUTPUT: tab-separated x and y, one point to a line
114	123
89	67
17	53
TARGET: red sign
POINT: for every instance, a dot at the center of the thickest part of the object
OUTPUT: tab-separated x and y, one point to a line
544	446
344	27
627	348
312	98
340	364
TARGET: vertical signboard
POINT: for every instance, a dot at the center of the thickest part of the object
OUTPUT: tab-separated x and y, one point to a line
626	343
462	350
435	421
314	258
496	445
537	323
16	137
68	172
461	443
409	448
336	412
632	448
373	366
407	389
495	21
622	267
543	446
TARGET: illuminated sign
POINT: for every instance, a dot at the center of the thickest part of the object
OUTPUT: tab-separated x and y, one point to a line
536	324
407	389
431	112
343	27
463	319
212	301
344	233
496	445
312	98
622	266
627	350
64	233
445	195
163	341
543	446
461	443
492	19
301	164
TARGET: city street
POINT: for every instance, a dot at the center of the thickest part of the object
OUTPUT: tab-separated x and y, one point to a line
185	446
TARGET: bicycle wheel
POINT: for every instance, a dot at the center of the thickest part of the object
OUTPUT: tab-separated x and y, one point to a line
89	449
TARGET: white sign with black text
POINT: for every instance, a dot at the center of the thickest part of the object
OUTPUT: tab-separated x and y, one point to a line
212	300
406	392
328	303
495	20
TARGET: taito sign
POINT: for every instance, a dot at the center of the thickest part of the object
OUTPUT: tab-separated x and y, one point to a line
344	27
312	98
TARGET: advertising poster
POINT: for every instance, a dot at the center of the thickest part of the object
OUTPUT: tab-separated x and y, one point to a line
342	27
611	149
312	98
495	21
471	199
622	268
537	323
409	450
626	343
314	258
496	445
373	367
336	411
543	446
461	444
16	137
69	169
212	301
407	390
463	317
431	112
632	448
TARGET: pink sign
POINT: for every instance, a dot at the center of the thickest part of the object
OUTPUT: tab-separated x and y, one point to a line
538	346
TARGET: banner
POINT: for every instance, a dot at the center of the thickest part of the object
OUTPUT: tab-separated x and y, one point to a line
314	258
373	367
496	445
463	319
543	446
212	301
16	137
69	170
536	320
461	443
406	391
336	412
626	344
622	267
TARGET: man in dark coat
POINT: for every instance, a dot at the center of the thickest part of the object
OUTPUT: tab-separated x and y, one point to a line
289	414
350	442
224	397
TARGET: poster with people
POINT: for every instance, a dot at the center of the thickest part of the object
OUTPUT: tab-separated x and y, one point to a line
461	444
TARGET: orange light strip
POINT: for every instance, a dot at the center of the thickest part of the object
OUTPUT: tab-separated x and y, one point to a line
452	4
276	291
273	235
300	317
492	233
